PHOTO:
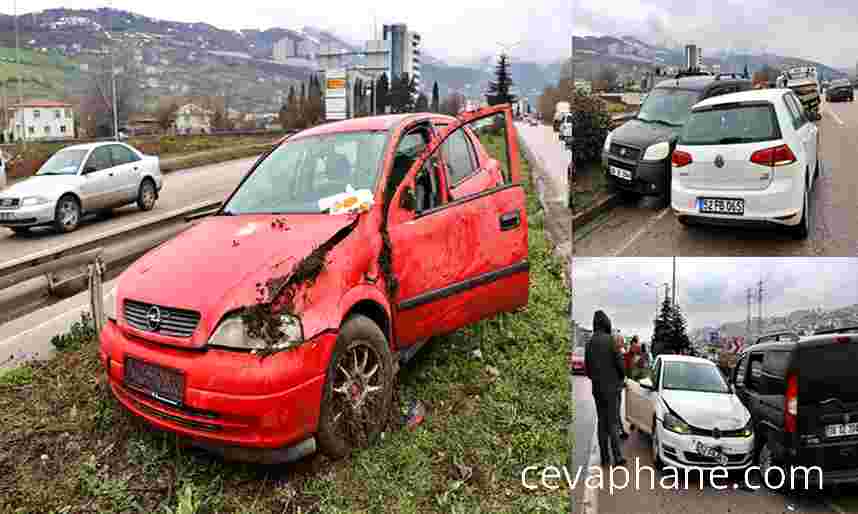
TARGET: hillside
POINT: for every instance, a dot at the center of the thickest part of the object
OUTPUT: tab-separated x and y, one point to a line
806	320
168	58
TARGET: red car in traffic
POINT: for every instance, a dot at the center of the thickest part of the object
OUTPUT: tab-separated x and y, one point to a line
276	326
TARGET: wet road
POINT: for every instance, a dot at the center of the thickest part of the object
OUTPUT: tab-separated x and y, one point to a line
181	189
553	156
642	229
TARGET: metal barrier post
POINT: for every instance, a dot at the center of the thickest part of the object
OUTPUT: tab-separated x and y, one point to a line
96	294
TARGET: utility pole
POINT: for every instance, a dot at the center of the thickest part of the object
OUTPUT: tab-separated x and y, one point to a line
750	298
23	133
760	307
673	302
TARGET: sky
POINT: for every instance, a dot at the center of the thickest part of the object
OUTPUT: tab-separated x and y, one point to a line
823	31
710	290
450	29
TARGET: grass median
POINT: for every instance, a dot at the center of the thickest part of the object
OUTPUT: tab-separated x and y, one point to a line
67	446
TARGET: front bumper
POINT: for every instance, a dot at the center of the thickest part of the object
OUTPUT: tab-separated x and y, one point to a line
648	177
230	405
30	216
680	450
779	204
834	97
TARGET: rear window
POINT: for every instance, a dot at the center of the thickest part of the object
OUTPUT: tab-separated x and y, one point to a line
731	124
828	372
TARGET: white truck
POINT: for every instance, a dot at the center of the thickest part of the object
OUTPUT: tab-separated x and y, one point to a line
804	82
560	108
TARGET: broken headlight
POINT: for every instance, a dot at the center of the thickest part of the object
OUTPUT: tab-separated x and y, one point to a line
232	333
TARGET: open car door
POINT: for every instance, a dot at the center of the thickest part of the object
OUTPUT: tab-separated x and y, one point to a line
460	253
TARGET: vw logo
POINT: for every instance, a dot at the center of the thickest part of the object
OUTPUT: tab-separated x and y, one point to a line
153	318
622	152
719	162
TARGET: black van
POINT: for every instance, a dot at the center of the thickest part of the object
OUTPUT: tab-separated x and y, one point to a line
627	166
802	393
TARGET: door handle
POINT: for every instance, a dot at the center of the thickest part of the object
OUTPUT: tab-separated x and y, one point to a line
110	174
510	220
136	168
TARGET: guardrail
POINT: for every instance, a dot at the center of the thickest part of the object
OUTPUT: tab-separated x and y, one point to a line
91	253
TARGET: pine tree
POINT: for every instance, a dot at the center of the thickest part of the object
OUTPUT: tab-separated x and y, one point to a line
382	94
436	99
422	104
403	94
499	88
291	109
679	340
662	330
302	107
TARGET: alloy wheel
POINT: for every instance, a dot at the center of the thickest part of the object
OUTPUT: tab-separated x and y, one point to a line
69	214
358	392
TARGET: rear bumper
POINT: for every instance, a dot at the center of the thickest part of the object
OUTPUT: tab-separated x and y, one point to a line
255	416
779	204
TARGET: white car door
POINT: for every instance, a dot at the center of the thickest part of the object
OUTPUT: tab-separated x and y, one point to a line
804	130
98	185
127	172
650	398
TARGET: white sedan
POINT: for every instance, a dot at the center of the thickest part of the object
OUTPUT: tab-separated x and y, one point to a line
691	414
747	158
81	179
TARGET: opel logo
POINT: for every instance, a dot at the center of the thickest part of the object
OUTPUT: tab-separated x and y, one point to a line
153	318
719	162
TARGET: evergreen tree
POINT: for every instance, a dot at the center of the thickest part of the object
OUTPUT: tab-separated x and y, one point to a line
382	94
662	330
746	74
499	88
403	94
679	340
436	100
283	116
292	108
302	107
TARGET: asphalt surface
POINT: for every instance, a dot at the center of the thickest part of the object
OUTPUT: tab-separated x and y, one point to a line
181	188
644	229
696	499
554	156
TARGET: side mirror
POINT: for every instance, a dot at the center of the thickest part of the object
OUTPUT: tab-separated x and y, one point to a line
647	384
408	200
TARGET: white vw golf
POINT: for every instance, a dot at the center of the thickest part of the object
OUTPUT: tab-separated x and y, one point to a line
691	414
746	158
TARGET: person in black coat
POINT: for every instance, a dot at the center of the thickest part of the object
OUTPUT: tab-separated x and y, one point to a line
606	371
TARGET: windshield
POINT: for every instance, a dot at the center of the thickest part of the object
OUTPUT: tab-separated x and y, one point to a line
311	174
694	376
668	106
64	162
731	125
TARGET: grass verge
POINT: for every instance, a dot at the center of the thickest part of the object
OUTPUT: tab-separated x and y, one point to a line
67	447
590	184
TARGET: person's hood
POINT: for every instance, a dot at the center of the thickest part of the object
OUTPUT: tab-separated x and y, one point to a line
707	410
642	134
216	266
49	186
601	322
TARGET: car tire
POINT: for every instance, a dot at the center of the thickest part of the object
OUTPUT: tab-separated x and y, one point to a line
656	446
353	413
20	230
146	195
802	230
766	460
67	214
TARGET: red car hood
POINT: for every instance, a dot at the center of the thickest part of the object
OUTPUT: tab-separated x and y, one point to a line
214	267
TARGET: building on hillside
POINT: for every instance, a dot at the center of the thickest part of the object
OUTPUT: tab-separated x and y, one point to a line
193	119
142	124
40	119
404	51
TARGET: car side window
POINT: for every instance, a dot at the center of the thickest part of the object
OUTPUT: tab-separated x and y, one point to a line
793	111
656	374
100	159
755	376
409	148
121	155
741	370
459	157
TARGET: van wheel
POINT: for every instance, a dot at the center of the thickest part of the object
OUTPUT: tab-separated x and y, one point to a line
358	389
801	230
767	461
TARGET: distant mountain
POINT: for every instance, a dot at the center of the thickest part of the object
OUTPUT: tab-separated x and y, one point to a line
800	321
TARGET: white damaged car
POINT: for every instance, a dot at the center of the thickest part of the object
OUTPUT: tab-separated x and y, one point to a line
692	415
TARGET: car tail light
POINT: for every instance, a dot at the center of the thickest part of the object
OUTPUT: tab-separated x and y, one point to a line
681	159
842	339
791	404
775	156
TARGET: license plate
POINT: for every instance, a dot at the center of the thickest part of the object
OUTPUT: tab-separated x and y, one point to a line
841	430
161	383
734	206
7	216
620	172
712	452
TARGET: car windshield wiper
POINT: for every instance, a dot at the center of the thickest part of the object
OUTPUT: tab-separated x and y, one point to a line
660	122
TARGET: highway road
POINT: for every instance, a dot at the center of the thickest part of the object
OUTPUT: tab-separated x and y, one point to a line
181	189
694	500
641	229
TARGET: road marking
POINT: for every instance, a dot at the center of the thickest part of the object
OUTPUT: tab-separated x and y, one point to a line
643	230
835	116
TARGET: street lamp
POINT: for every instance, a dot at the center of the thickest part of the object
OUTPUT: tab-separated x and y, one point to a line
657	288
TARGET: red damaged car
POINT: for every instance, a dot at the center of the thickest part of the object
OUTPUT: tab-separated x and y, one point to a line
276	326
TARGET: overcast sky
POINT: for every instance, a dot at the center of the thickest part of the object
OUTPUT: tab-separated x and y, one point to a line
710	291
450	28
823	31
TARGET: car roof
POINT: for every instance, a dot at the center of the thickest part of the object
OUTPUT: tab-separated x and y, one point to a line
89	146
684	358
698	82
381	122
758	95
